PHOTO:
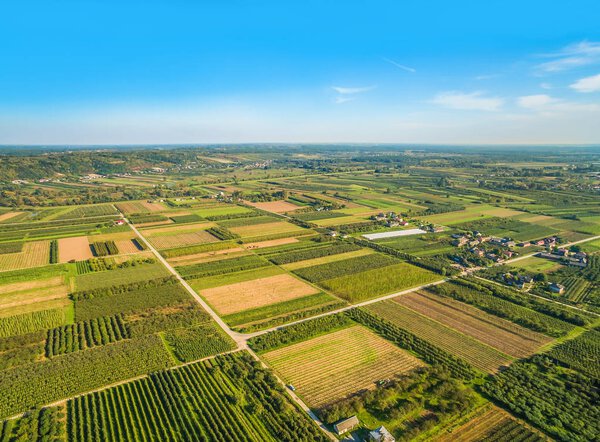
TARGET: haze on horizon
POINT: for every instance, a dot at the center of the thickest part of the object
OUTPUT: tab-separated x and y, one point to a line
159	72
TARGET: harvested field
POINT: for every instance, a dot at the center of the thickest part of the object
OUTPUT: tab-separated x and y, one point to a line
53	303
501	334
76	248
477	354
492	424
266	229
275	206
112	236
126	246
177	228
204	256
28	297
336	365
182	239
30	285
139	207
8	215
33	254
256	293
271	243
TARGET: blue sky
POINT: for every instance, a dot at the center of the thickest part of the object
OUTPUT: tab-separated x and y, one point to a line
179	71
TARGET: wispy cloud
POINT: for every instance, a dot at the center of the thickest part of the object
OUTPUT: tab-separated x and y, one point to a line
486	77
352	90
344	99
468	101
543	103
346	94
587	84
572	56
398	65
546	85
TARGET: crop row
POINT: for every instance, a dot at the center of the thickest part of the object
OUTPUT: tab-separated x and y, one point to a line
349	266
53	251
31	322
10	247
190	344
222	267
502	308
85	334
317	252
581	353
221	233
408	341
104	248
202	402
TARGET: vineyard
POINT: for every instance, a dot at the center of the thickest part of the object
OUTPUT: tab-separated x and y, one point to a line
333	366
31	322
498	333
494	425
581	353
576	288
221	267
204	401
86	334
474	352
33	254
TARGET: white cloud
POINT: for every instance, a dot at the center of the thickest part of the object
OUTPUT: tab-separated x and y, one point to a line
470	101
398	65
352	90
546	86
546	104
535	101
587	84
573	56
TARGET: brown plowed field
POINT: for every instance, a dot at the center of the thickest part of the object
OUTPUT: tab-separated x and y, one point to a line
336	365
77	248
499	333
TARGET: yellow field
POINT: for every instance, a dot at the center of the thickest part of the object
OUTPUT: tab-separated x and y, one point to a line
270	243
182	239
112	236
126	246
8	215
31	296
207	256
334	366
256	293
34	254
275	206
177	228
266	229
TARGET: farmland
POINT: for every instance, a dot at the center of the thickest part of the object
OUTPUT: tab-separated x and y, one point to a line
476	353
422	334
334	366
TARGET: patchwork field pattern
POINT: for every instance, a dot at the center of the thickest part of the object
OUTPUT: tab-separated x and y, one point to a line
335	366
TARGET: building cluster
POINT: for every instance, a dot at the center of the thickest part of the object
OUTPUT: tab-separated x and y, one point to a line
475	243
548	242
391	219
522	282
574	259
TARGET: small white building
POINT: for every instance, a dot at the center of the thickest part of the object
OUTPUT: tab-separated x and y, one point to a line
346	425
381	434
